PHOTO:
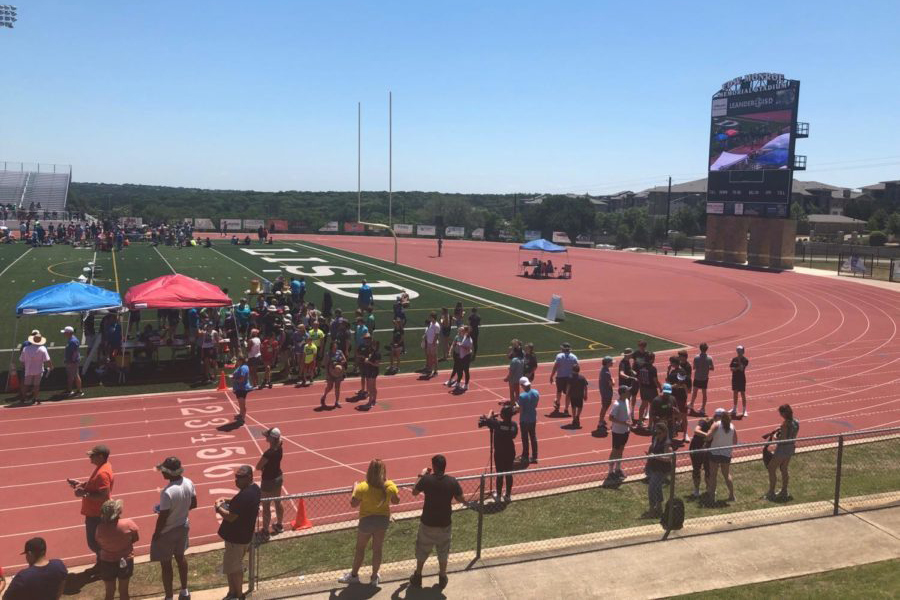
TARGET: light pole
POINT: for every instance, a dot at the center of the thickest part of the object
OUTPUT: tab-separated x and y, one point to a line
7	15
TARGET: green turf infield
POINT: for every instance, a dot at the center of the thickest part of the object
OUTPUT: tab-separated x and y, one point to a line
232	267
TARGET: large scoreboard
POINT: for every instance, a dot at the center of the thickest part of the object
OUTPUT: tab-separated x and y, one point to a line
751	146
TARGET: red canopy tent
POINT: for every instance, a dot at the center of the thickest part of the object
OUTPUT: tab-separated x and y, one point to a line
175	291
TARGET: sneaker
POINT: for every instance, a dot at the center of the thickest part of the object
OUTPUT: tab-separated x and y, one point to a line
533	460
375	580
783	497
620	474
184	595
415	580
465	387
442	581
348	578
770	496
507	498
337	404
277	528
449	383
745	414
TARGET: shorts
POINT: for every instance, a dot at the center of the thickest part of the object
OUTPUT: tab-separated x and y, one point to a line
373	523
681	403
271	486
718	458
433	537
785	450
241	394
71	371
171	543
32	380
700	460
445	332
562	384
605	402
619	440
701	384
576	402
110	570
233	559
647	393
255	362
209	353
739	386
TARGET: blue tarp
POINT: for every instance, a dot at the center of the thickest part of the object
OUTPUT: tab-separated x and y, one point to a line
72	297
542	245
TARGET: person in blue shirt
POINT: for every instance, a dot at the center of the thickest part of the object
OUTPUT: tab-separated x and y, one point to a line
72	360
240	385
364	298
562	371
527	403
298	290
242	314
42	579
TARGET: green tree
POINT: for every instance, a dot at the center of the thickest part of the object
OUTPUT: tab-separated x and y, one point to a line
878	220
893	224
798	213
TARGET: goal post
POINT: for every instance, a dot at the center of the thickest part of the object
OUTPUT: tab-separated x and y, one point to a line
387	227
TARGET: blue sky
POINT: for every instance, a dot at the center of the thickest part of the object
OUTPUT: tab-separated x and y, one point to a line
488	96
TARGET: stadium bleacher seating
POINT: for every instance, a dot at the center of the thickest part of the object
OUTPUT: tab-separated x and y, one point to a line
22	184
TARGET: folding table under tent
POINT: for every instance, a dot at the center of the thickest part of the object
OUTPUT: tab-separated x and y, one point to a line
543	246
72	298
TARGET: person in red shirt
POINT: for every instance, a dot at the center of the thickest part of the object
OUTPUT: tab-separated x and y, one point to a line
116	537
93	493
269	353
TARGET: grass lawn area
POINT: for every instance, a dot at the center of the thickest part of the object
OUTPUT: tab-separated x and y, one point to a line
503	317
875	580
867	469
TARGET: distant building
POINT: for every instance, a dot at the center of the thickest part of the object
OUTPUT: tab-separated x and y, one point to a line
832	224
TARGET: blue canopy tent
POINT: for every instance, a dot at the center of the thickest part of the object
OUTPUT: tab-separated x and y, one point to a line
64	299
543	246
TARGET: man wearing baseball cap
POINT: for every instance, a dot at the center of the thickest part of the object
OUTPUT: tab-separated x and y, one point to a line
35	358
42	579
527	403
72	360
93	493
170	538
663	409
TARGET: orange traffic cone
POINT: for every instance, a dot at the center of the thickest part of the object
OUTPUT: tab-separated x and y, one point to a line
301	521
12	382
222	385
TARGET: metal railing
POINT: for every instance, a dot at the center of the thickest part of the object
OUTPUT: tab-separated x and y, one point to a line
579	507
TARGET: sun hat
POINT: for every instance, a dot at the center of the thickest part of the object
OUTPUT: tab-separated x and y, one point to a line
171	467
523	381
628	352
36	338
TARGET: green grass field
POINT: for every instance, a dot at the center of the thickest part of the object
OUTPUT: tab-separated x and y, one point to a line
232	267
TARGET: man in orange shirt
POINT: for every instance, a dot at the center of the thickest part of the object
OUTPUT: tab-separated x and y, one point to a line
93	493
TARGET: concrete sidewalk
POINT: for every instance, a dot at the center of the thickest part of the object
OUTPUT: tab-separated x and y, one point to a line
692	563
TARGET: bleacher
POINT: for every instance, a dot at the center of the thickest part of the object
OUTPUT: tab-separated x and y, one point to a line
22	184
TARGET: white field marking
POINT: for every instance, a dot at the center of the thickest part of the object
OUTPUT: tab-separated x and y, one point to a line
519	324
541	320
164	260
15	261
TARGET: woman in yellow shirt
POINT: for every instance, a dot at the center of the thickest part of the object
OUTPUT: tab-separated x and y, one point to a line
373	497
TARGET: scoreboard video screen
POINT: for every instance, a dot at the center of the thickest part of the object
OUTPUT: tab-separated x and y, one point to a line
751	146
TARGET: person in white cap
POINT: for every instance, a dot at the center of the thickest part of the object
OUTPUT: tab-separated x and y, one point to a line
72	360
35	358
272	480
739	366
527	403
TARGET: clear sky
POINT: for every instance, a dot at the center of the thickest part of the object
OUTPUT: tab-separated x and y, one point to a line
492	96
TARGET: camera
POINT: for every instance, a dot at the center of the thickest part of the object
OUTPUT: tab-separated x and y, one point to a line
483	419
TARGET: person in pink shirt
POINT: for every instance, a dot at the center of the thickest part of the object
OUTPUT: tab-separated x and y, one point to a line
116	537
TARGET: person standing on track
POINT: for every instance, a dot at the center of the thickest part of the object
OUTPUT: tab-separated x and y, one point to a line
254	357
527	403
619	415
241	386
430	344
398	346
738	368
703	365
93	493
516	370
335	369
269	354
72	360
272	480
371	366
577	394
677	378
461	349
531	361
627	376
474	330
170	538
605	386
562	372
648	380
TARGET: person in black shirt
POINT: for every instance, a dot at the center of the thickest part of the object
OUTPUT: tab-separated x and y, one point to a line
398	346
42	579
648	380
531	361
699	457
628	377
505	432
272	480
663	409
474	324
238	520
739	366
370	367
578	386
677	378
435	526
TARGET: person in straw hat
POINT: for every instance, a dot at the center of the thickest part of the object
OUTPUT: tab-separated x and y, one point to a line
35	359
116	537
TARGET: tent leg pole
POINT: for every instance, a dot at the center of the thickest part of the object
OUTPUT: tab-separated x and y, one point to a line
12	356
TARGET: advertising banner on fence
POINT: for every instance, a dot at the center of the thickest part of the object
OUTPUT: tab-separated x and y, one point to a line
532	234
204	224
560	237
478	234
354	228
131	221
451	231
402	229
329	226
277	225
425	230
253	224
230	224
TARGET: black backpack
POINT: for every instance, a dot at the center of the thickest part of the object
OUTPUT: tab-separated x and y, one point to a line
676	506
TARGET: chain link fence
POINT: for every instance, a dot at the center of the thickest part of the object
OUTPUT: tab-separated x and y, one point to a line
586	506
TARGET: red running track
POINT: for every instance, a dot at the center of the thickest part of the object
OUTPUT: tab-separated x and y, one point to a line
827	346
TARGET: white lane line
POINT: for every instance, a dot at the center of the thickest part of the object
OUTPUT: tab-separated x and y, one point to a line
9	266
165	261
